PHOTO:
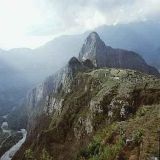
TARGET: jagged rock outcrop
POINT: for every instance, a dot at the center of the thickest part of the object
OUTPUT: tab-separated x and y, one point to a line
60	80
105	56
39	101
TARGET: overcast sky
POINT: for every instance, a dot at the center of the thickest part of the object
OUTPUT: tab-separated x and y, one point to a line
30	23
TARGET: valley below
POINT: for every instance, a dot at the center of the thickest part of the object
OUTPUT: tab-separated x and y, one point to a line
10	140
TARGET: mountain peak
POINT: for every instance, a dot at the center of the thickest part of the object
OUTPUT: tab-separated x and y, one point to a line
73	61
92	47
95	50
93	37
74	65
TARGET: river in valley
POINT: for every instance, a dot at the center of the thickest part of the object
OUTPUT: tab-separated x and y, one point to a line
11	152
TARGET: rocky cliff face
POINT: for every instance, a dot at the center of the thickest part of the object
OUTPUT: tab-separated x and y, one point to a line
69	109
104	56
60	80
94	54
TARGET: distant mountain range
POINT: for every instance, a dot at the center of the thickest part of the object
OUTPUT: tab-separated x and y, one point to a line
141	37
36	64
33	65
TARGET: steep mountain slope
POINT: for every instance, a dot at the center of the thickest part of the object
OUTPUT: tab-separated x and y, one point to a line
84	98
98	101
60	80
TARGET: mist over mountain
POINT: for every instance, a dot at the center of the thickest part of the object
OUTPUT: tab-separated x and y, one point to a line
13	87
23	68
33	65
141	37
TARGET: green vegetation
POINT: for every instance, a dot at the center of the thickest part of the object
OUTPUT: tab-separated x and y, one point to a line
142	111
138	136
29	154
45	155
106	144
102	151
92	150
112	151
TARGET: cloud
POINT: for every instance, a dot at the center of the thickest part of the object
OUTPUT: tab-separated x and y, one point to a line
33	22
70	16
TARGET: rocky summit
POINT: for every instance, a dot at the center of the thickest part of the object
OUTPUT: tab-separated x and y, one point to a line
103	105
101	55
